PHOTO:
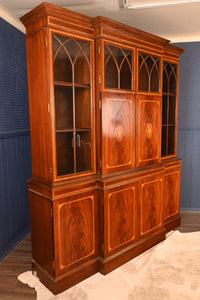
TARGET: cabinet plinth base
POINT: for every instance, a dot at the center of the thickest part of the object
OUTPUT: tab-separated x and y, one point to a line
67	280
109	264
172	223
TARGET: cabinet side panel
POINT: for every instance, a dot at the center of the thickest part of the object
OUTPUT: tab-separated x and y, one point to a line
41	231
38	105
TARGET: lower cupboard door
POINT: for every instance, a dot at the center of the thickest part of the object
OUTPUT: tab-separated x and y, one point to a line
75	231
172	194
120	218
151	191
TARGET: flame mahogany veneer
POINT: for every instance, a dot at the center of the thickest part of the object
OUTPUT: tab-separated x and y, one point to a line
101	193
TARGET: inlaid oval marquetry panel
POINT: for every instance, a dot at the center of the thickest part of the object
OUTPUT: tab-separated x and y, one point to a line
148	131
151	205
120	221
172	194
118	132
76	228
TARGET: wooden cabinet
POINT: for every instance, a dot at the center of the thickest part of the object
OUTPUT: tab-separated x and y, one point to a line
103	113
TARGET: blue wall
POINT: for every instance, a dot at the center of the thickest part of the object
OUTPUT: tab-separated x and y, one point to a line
189	126
15	153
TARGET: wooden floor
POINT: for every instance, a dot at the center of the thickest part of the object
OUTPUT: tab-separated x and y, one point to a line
19	261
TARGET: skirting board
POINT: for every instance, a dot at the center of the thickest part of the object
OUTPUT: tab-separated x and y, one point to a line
14	242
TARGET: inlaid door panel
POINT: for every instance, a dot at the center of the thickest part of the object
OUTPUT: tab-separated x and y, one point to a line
118	132
171	194
151	204
148	130
75	230
119	218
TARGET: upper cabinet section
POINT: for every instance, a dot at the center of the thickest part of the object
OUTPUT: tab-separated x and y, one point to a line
149	73
100	96
118	67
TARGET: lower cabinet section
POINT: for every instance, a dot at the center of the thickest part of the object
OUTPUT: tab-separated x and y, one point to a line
100	224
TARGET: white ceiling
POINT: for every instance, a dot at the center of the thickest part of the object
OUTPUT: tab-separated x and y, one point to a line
178	23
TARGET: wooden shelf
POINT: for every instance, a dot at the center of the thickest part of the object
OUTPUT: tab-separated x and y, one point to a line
74	130
70	84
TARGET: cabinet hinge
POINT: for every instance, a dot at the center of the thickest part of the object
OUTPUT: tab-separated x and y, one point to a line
99	104
49	108
51	170
46	42
99	50
99	79
100	163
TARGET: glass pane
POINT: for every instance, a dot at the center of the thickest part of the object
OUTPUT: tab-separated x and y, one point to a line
85	46
155	79
83	151
73	49
165	82
65	153
149	61
111	74
64	107
82	70
172	110
118	67
171	140
172	84
164	109
119	55
62	67
125	76
82	108
143	79
164	139
149	73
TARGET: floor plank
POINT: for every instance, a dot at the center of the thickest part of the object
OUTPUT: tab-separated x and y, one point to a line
19	261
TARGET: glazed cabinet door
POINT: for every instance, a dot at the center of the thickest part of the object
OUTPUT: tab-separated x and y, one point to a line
120	218
171	193
73	105
169	109
149	73
148	129
75	230
118	66
150	199
118	132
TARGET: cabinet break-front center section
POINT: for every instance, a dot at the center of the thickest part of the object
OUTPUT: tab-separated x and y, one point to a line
103	114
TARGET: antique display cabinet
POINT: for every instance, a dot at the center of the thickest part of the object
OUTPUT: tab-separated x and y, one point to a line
103	114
